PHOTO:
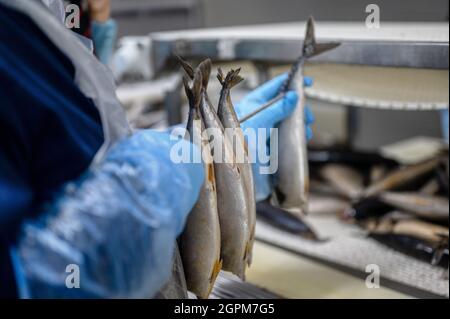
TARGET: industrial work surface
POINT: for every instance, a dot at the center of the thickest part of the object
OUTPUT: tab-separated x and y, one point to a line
336	268
419	45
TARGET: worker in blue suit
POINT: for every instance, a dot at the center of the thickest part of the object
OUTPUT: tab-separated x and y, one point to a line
77	187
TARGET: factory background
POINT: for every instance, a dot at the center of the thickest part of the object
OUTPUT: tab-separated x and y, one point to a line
141	17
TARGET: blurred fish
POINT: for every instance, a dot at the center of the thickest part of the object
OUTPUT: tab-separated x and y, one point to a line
327	205
433	238
377	173
201	240
431	188
416	248
292	178
347	181
346	156
431	233
367	208
402	176
425	206
284	220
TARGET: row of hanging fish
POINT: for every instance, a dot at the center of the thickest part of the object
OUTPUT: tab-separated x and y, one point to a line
220	230
403	207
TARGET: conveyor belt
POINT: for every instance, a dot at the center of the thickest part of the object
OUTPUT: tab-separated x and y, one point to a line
350	250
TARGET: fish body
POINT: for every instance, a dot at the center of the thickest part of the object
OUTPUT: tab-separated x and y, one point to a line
367	208
401	177
425	206
229	119
201	240
414	247
432	233
292	179
284	220
349	182
231	194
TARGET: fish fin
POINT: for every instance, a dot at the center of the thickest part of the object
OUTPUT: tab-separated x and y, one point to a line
216	270
310	36
232	79
310	46
186	67
197	88
205	67
221	76
187	88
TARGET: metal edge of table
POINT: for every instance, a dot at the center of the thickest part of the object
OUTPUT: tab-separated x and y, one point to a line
432	55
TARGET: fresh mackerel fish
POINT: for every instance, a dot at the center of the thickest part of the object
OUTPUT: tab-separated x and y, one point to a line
229	119
200	241
292	180
231	191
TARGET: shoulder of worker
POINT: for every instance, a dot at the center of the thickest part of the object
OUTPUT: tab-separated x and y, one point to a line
49	131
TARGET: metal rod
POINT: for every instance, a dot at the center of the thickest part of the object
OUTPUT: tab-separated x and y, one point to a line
262	108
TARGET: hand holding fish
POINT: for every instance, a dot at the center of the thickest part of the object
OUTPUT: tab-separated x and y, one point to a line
268	119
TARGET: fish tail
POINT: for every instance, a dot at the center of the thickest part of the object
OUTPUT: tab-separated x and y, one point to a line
197	88
186	67
231	80
221	76
205	68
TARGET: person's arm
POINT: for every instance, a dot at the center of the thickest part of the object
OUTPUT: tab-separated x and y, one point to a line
104	29
112	231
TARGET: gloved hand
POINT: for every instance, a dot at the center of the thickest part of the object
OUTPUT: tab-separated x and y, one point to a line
268	119
118	224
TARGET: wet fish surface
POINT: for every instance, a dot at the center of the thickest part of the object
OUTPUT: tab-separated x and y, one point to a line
229	119
292	179
201	239
231	193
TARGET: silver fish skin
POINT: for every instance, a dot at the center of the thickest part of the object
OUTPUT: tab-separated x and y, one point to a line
346	180
401	177
229	119
176	287
231	194
431	207
200	242
292	178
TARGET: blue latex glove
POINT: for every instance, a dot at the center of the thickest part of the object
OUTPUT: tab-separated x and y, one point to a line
444	124
268	119
104	36
118	224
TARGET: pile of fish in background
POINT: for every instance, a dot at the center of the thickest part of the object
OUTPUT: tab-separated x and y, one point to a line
221	227
405	207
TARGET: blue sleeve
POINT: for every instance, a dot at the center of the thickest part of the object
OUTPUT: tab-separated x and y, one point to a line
111	234
104	37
